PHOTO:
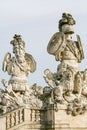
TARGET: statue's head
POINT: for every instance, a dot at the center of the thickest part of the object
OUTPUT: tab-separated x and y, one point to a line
18	47
66	23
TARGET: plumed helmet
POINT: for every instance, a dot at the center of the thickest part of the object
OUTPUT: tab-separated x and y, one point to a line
67	21
17	41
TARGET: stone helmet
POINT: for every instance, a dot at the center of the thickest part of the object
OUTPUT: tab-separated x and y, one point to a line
17	42
66	23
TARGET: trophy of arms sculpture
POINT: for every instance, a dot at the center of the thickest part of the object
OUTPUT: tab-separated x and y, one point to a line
68	85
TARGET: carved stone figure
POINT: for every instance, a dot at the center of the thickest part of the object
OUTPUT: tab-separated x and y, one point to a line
68	52
68	85
19	67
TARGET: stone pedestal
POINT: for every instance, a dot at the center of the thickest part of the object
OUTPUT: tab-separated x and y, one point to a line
50	118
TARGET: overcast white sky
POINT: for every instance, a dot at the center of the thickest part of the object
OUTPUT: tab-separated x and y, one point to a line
37	21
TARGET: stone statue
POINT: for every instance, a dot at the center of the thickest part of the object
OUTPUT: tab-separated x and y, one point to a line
68	52
68	85
19	66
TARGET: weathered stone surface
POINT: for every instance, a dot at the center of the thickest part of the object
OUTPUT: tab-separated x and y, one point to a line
68	85
62	104
17	90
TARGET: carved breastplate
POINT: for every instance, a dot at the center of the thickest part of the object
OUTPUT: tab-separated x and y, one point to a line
70	52
68	55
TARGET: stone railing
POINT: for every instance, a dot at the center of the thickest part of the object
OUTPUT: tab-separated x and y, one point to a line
14	118
34	115
42	119
22	119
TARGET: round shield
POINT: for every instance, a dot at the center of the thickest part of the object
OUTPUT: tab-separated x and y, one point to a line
29	58
56	43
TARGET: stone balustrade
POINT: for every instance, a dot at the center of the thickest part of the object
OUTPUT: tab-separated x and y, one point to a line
21	118
35	115
42	119
14	118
